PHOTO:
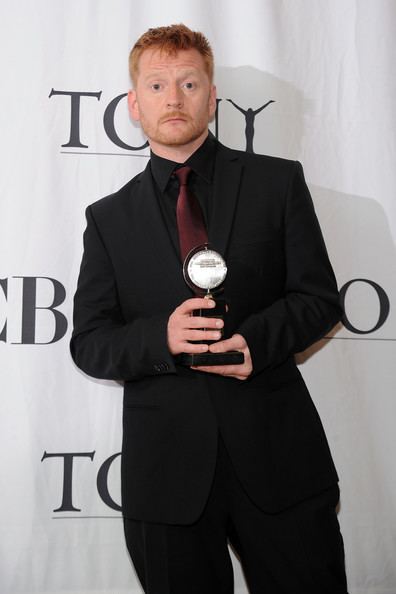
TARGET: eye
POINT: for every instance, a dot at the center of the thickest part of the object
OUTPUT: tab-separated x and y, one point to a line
189	86
156	87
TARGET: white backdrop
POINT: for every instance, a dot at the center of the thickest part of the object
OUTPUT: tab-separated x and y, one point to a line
328	67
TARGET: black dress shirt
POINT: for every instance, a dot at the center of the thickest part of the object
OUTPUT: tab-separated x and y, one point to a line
200	182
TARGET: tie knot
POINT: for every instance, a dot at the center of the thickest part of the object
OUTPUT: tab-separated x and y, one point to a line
182	174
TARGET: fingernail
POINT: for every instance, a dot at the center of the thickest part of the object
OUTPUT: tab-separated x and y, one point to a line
211	303
219	323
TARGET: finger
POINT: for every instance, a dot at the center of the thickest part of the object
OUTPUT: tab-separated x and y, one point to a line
234	343
238	377
195	303
190	348
222	346
221	371
225	370
189	334
200	322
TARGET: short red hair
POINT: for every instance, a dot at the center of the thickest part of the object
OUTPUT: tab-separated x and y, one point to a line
171	39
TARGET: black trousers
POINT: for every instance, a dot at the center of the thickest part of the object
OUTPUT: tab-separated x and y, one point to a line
297	551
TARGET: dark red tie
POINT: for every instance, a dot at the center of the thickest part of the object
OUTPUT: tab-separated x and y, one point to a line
190	221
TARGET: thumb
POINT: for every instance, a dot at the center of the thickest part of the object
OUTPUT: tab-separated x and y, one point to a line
230	344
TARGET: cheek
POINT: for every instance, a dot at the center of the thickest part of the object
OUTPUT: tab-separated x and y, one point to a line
201	107
148	112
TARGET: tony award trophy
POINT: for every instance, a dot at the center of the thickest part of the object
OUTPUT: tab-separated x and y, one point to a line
204	271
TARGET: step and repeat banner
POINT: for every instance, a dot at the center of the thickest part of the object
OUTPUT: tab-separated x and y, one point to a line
303	79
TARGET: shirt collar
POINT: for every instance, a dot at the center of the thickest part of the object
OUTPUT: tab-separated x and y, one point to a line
201	161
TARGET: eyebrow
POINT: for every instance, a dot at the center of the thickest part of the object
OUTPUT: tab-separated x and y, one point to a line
158	73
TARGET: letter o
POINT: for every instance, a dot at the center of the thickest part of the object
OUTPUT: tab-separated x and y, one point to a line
383	302
109	126
102	484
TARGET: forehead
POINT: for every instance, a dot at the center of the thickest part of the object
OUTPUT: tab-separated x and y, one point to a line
157	60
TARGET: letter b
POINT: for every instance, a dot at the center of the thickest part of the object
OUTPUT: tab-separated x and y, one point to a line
30	307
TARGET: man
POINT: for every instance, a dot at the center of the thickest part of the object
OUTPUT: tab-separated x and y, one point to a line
223	453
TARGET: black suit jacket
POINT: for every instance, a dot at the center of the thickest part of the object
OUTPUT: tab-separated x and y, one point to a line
282	297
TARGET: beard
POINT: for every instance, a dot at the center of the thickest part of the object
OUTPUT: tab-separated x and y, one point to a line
177	134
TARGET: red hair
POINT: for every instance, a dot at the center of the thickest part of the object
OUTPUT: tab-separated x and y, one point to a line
170	40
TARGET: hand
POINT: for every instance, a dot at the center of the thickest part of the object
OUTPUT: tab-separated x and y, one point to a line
184	327
235	343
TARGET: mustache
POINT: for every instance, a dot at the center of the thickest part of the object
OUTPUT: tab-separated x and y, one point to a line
174	114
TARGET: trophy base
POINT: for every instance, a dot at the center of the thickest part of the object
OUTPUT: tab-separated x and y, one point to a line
207	359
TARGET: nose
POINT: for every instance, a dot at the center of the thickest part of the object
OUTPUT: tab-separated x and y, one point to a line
175	97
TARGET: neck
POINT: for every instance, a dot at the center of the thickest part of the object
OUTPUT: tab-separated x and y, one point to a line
180	153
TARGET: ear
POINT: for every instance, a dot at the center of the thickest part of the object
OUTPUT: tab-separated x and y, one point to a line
212	101
133	105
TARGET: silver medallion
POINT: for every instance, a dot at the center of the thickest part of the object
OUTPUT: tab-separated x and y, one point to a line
204	269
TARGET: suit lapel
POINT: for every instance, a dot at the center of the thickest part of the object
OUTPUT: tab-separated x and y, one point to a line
154	236
227	180
153	217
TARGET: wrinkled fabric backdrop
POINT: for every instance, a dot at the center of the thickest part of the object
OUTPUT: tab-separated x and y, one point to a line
319	80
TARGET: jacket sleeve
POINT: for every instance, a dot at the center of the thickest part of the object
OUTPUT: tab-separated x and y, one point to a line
103	344
309	306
